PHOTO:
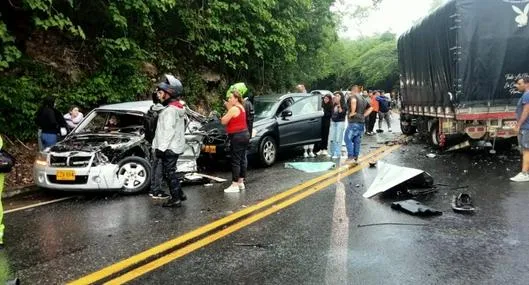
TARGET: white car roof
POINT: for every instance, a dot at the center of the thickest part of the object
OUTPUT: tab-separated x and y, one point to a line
137	106
323	92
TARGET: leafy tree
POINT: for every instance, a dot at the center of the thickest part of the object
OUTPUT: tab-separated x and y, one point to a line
270	44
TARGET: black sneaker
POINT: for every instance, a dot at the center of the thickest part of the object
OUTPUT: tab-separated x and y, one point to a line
160	195
172	203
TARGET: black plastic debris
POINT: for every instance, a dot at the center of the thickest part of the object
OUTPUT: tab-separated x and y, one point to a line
421	191
414	207
462	203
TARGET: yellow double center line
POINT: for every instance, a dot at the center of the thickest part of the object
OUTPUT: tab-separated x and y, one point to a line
129	265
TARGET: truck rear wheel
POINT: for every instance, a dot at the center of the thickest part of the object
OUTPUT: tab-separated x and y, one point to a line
407	128
435	136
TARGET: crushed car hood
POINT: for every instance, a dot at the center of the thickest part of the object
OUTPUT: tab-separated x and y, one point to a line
95	142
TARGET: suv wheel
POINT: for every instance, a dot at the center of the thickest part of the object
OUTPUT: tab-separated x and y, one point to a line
135	174
268	151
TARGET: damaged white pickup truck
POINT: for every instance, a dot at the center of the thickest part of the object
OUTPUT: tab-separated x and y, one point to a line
107	151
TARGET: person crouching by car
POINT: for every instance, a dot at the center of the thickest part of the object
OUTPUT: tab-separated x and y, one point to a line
237	129
169	140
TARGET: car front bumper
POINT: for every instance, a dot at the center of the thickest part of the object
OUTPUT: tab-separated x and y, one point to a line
254	146
102	177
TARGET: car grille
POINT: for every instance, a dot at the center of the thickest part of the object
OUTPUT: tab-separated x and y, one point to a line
74	161
79	179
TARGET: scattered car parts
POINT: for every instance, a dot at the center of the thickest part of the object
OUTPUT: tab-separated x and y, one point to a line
462	203
390	176
414	207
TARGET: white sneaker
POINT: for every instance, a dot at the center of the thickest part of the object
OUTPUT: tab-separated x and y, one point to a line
335	157
305	155
521	177
319	153
232	189
242	187
311	154
389	130
324	152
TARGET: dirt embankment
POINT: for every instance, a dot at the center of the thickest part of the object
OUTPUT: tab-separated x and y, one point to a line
24	153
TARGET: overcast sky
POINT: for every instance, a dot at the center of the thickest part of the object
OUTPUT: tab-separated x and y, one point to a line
396	16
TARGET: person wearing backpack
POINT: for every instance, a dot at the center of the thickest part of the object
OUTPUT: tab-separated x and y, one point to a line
150	122
383	112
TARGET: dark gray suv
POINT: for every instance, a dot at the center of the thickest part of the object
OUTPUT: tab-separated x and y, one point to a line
285	121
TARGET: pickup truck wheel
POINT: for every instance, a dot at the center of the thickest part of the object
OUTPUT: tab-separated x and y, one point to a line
268	151
135	174
407	128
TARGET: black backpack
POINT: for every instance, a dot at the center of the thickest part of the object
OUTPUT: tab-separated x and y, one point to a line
383	106
250	114
149	124
7	162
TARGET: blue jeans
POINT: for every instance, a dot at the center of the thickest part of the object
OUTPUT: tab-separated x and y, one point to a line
48	139
335	138
353	139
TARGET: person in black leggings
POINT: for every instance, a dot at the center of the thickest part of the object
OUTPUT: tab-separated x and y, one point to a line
237	129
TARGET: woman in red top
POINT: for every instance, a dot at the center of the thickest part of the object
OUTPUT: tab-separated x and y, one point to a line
237	129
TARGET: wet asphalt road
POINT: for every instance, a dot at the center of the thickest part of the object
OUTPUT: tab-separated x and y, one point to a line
315	241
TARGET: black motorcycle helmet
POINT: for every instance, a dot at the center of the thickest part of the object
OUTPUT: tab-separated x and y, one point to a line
172	86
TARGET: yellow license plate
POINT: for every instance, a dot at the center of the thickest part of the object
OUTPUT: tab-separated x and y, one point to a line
65	175
210	149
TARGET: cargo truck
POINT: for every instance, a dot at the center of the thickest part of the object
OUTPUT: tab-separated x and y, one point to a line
458	68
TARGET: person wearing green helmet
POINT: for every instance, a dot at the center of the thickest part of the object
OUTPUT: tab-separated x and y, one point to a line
248	103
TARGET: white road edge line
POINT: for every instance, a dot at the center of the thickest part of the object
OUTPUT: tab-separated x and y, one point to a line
336	271
38	204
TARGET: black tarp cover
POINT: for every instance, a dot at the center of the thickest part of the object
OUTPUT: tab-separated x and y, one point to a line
471	48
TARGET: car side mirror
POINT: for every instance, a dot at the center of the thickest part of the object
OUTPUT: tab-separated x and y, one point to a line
286	113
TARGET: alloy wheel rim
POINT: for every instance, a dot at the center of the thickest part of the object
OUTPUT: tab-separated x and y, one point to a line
132	175
269	151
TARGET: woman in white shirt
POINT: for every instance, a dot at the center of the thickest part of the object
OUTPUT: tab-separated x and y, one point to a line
73	118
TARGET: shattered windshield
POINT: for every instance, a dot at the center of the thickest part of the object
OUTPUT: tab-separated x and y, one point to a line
111	122
264	109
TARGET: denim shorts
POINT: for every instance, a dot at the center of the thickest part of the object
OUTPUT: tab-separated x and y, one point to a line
523	139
